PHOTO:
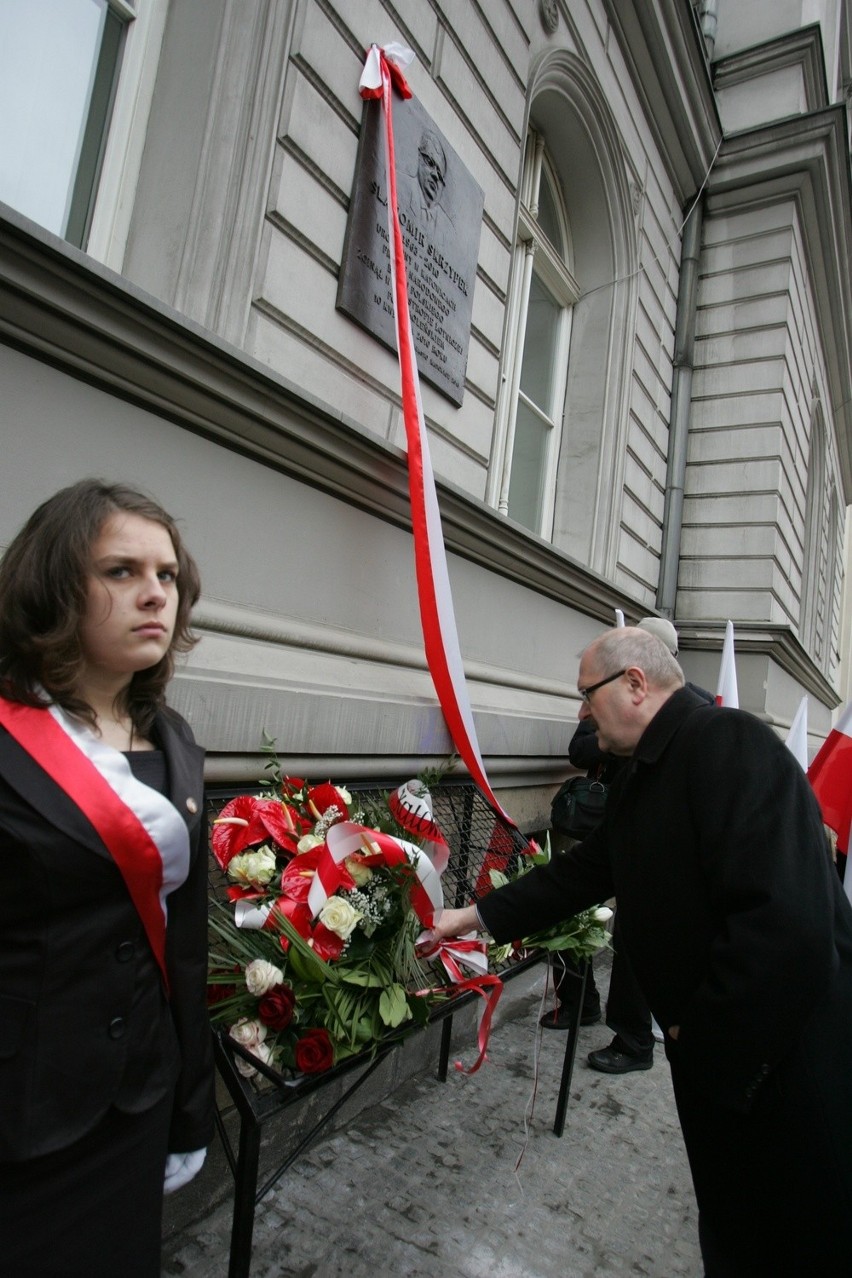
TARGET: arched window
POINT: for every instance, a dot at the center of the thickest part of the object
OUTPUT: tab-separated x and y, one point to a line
558	457
537	361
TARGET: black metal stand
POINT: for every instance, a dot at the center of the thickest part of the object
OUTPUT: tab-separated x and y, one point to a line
476	836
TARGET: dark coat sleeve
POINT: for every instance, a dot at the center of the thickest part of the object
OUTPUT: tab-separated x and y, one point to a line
550	893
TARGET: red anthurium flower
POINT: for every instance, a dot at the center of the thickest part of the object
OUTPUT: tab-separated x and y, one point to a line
296	913
280	822
299	874
237	827
292	785
237	893
327	796
326	944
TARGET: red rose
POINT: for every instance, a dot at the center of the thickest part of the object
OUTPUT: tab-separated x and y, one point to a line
275	1009
314	1052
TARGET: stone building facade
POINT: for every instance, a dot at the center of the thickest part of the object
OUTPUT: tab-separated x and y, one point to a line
656	409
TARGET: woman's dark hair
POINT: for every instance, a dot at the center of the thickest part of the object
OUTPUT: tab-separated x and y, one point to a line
43	583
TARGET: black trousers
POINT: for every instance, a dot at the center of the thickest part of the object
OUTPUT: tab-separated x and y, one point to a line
92	1210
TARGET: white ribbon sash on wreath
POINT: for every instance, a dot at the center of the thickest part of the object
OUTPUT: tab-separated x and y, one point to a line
411	804
346	838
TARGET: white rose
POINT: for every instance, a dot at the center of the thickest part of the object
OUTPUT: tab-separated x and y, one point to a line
361	873
340	917
344	794
263	1053
248	1033
261	976
255	869
308	842
602	914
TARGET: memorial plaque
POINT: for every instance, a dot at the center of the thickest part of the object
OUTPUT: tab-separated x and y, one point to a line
440	211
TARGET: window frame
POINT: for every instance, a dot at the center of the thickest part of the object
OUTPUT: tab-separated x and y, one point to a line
535	255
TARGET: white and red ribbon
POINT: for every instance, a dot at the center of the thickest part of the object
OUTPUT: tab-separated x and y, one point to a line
346	838
140	828
383	70
411	805
471	952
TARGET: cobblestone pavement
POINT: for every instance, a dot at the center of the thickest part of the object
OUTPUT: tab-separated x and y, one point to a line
423	1183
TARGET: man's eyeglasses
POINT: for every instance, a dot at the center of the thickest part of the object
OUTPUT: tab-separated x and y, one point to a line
586	693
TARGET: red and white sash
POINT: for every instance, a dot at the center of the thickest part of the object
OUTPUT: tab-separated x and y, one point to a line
142	831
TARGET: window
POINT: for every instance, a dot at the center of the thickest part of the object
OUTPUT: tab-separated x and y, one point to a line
537	353
59	62
811	611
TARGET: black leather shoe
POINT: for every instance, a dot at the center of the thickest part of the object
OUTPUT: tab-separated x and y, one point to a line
560	1018
610	1061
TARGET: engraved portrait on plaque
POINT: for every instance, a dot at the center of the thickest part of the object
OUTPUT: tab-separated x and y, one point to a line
440	212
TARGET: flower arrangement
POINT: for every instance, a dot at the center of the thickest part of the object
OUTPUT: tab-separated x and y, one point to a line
314	958
581	936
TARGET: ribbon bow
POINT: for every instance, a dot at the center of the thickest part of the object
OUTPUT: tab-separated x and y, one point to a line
345	838
396	58
471	952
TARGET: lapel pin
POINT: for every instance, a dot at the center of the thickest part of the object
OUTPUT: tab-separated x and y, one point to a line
191	805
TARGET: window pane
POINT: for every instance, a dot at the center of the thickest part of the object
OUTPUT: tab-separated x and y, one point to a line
548	218
542	330
48	57
528	468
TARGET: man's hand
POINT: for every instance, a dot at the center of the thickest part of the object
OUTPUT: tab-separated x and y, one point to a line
455	923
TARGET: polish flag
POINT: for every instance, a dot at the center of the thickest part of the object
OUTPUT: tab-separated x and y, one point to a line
830	775
797	737
726	688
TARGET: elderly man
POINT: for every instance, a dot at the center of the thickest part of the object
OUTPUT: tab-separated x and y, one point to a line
735	923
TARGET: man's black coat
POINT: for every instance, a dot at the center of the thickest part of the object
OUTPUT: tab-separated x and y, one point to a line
737	928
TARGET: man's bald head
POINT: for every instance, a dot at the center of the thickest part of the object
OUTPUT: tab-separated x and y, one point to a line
629	646
626	675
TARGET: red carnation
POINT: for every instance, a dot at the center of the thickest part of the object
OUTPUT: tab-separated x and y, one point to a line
275	1009
314	1052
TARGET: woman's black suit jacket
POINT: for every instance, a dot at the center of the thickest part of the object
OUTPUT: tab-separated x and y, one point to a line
84	1019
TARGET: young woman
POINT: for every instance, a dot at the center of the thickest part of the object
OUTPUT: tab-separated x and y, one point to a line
105	1066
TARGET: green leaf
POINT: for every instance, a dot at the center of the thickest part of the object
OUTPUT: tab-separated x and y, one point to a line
393	1006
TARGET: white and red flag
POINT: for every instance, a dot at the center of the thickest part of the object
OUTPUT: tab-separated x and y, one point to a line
830	775
382	73
726	688
797	737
